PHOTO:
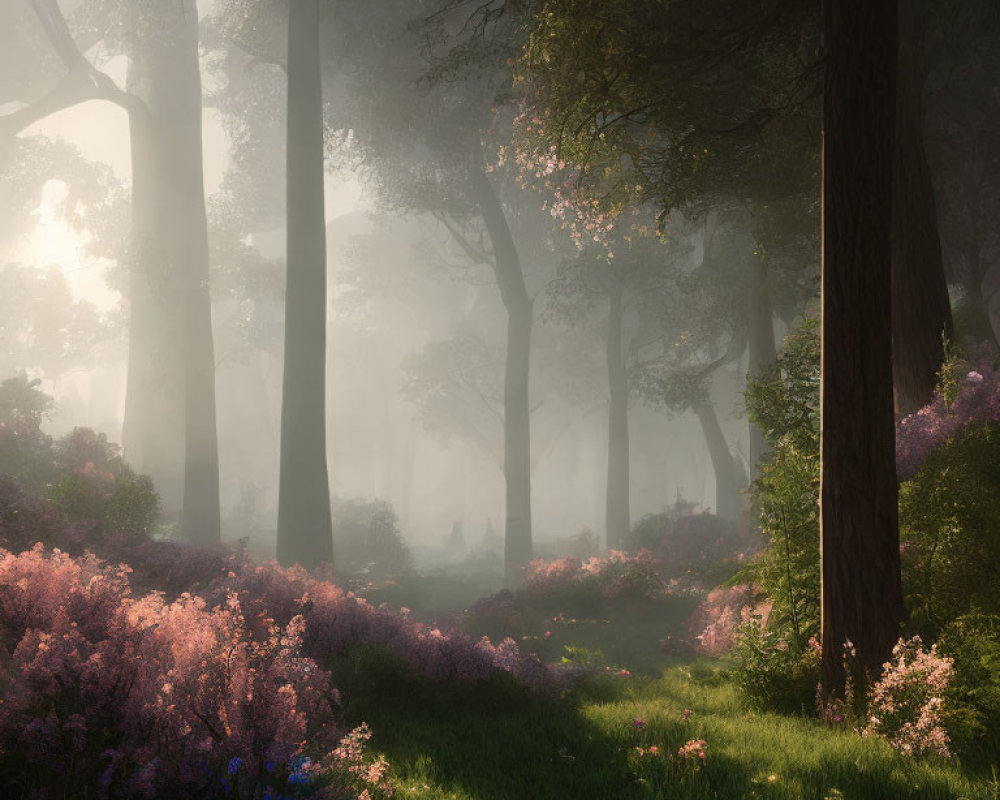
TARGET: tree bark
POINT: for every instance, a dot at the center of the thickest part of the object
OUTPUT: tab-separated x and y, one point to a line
727	494
861	594
617	517
305	526
921	309
517	424
170	419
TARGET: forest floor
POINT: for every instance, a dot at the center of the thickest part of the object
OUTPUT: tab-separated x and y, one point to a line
622	731
619	737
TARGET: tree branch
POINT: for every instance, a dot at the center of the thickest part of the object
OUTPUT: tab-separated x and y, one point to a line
82	83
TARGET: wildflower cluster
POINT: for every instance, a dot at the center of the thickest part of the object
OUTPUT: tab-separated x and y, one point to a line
694	750
906	704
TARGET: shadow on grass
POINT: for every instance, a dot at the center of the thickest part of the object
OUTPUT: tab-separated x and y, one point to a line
497	741
490	741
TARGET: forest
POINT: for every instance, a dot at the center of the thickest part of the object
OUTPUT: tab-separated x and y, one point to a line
500	399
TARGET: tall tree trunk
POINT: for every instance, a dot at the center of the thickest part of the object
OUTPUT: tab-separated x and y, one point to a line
172	351
921	309
762	350
727	495
861	594
305	527
616	510
517	425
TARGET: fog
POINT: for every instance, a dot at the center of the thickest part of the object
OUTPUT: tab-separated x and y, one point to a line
419	322
411	317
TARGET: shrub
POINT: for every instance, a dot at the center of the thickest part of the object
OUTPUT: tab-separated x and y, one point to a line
972	711
338	624
773	674
977	401
367	539
704	546
951	541
906	705
714	623
616	575
140	697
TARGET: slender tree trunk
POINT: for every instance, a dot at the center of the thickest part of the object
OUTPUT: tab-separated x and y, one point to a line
727	495
921	309
861	594
517	427
305	527
617	519
173	354
762	350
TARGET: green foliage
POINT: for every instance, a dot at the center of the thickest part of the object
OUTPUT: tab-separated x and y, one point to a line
948	528
953	370
784	403
772	675
972	702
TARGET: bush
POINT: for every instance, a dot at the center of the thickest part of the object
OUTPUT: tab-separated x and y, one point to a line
137	697
972	711
588	584
906	704
73	493
951	541
367	540
772	674
703	546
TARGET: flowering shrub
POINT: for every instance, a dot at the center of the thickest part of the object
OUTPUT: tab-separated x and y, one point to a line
906	704
977	401
714	623
615	575
140	697
337	623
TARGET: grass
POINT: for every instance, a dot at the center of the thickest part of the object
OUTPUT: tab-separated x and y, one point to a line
496	741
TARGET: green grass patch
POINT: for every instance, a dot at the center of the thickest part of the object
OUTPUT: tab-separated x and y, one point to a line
497	741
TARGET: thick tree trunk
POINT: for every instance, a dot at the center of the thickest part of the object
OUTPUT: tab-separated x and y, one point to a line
517	428
921	309
305	528
861	595
617	518
727	494
172	351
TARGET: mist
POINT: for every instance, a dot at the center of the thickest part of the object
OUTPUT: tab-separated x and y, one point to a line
416	330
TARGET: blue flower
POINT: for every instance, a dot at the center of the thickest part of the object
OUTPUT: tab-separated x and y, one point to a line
234	765
299	775
269	766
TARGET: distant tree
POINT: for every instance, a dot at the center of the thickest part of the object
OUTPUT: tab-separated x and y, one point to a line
305	532
171	395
